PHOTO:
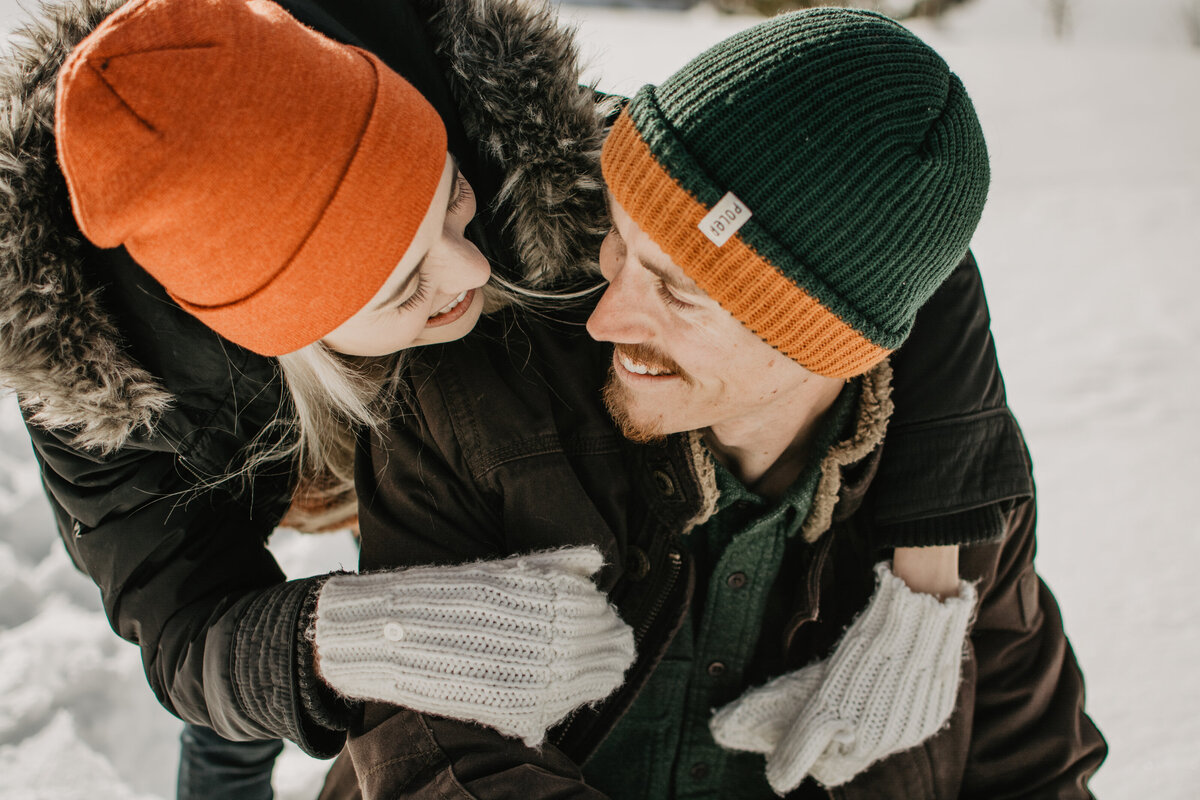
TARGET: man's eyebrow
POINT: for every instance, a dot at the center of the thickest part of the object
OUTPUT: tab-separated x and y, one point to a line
399	292
671	275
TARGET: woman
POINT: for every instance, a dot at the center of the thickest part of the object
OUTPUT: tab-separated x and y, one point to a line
141	416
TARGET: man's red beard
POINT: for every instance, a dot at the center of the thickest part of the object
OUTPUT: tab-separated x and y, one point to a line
618	397
617	401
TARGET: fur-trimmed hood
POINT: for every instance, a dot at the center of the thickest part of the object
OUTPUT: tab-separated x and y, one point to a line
514	77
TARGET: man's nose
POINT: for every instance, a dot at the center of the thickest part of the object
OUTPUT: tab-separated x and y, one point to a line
622	315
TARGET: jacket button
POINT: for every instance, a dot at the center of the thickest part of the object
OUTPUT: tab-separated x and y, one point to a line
699	771
637	563
663	482
736	581
716	669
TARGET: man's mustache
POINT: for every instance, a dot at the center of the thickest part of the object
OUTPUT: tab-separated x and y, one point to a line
651	357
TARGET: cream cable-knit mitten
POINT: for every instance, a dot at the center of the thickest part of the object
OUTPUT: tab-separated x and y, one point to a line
515	644
889	685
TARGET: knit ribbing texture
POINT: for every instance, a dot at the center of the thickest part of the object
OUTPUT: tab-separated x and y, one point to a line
268	177
890	684
515	644
858	154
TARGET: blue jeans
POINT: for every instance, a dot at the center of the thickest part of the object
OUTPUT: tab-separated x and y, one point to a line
212	768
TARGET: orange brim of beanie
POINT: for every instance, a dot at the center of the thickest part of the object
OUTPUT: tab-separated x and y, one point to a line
363	233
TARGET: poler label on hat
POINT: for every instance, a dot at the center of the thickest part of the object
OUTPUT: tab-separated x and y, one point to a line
726	217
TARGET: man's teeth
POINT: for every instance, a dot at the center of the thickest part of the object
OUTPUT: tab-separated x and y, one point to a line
452	304
638	368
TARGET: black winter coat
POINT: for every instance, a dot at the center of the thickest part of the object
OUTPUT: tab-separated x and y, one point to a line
136	410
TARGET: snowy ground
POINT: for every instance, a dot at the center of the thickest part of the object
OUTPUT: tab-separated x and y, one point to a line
1088	248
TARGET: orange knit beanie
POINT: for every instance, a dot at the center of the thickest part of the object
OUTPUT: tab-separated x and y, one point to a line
270	178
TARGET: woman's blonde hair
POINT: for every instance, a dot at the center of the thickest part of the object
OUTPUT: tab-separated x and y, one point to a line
330	397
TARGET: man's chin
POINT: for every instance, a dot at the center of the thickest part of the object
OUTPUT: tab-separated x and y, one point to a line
619	403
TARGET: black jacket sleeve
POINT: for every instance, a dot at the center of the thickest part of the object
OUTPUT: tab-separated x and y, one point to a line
185	574
1030	735
955	460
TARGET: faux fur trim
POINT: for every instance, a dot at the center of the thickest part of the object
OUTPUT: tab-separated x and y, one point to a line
706	476
874	411
58	348
514	73
514	76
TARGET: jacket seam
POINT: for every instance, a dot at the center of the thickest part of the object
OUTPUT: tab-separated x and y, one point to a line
544	445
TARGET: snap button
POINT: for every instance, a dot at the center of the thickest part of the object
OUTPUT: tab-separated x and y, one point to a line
736	581
393	631
699	771
663	482
716	669
637	563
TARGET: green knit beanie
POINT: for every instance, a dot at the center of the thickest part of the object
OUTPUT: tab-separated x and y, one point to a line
819	175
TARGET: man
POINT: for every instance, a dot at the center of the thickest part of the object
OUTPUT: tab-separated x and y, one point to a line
782	207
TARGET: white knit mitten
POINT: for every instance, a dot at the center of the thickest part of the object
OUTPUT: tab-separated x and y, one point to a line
758	720
889	685
515	644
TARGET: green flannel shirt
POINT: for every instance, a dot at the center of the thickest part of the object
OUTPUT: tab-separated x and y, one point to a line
662	747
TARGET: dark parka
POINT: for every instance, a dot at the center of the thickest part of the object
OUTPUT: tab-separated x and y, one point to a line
137	411
507	433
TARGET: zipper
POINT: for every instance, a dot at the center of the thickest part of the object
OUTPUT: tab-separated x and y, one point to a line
569	736
675	559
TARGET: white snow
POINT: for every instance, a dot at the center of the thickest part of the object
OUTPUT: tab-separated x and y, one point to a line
1089	252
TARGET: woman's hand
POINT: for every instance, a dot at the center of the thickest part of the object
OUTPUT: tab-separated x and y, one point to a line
515	644
889	685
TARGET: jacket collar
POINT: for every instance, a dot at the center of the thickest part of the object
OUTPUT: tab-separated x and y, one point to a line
846	470
514	76
850	465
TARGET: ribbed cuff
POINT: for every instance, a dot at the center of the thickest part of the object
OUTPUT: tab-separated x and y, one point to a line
976	526
265	668
319	704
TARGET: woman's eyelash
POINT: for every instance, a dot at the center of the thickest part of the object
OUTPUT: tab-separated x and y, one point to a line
416	298
461	196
